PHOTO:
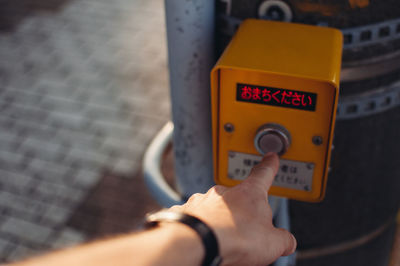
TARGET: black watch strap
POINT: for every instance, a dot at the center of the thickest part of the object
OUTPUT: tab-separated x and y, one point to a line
206	234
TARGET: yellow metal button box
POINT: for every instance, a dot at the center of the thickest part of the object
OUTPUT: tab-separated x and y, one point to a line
275	88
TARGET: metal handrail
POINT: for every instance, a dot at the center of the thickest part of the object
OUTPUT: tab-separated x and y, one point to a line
153	177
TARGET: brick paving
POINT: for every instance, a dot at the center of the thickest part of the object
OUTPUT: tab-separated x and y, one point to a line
117	205
83	88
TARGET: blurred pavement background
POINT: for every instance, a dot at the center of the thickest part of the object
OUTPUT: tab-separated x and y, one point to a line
83	89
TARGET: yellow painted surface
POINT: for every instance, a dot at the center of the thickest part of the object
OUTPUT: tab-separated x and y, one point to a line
286	56
324	9
329	8
358	3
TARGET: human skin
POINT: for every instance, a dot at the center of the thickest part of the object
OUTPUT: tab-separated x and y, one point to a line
240	217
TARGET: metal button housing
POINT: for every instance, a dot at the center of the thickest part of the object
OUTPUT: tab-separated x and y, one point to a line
272	138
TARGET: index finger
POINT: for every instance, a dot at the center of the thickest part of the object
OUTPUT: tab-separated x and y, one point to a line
263	174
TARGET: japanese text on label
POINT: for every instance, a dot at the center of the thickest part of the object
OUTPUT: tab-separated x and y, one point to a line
276	97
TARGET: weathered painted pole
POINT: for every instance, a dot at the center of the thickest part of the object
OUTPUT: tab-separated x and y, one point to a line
190	34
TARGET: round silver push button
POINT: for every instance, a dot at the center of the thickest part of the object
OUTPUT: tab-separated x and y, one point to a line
272	138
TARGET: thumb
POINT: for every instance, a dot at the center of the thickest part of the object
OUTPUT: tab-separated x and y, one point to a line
263	173
285	242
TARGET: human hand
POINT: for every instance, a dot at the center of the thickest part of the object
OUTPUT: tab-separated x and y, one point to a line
241	217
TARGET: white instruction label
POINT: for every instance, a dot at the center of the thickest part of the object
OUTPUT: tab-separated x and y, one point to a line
291	174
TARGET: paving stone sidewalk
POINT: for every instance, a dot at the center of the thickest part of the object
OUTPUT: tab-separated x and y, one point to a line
83	89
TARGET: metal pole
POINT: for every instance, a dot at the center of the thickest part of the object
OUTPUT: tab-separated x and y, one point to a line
190	35
282	220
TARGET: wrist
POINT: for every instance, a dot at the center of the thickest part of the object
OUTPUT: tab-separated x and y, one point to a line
173	237
204	232
231	244
184	236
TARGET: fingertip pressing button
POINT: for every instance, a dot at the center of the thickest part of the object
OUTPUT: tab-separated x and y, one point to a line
272	138
270	143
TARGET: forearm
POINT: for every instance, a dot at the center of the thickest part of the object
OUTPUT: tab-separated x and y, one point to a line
240	217
169	244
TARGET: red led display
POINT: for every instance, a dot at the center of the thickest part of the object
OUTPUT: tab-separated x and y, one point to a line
276	97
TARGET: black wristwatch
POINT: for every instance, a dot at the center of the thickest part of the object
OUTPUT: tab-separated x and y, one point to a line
208	238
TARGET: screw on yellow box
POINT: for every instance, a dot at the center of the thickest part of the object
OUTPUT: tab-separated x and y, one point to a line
275	88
